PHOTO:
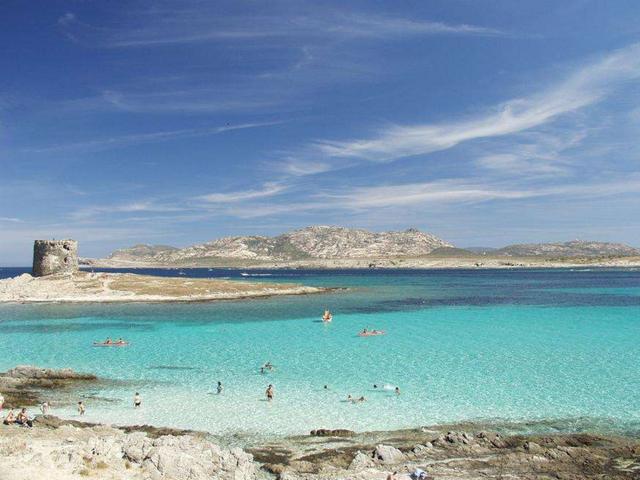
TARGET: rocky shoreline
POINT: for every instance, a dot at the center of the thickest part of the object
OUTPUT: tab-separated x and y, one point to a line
67	449
61	450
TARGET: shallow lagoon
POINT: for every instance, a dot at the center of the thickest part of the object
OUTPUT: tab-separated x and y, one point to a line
463	345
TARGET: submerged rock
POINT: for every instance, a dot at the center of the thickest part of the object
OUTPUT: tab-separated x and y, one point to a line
37	373
340	432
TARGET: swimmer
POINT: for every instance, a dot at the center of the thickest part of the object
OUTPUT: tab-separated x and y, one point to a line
269	393
81	408
137	400
268	366
350	398
326	387
220	387
375	385
108	341
362	399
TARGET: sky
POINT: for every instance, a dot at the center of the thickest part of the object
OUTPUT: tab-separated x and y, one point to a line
176	122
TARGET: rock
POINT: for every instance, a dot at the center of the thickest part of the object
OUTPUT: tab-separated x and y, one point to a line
31	372
533	447
136	447
418	449
323	432
388	454
361	461
192	458
458	437
274	468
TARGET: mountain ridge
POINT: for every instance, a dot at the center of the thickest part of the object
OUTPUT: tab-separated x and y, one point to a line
314	242
322	243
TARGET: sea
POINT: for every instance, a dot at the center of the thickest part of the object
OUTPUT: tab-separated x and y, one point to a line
554	350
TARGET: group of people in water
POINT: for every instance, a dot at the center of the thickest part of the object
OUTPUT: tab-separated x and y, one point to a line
121	342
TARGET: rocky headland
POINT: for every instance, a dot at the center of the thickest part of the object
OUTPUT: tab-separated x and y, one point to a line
121	287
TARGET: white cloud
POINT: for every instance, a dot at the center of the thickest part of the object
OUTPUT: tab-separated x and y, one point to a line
267	190
584	87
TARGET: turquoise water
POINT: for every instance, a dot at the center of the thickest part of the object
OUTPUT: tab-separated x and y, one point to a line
461	345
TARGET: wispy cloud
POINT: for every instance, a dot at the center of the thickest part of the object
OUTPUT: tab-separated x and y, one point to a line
533	153
90	212
376	26
152	137
267	190
584	87
156	27
10	220
460	191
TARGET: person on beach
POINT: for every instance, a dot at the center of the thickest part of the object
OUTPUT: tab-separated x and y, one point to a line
220	387
137	400
81	408
23	419
1	401
269	392
10	418
44	408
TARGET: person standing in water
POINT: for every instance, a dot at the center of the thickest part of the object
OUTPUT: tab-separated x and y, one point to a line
137	400
44	408
397	390
269	392
220	387
81	408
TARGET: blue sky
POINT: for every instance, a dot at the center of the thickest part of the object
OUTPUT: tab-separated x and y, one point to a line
176	122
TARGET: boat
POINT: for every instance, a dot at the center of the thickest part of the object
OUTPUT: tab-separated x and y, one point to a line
371	333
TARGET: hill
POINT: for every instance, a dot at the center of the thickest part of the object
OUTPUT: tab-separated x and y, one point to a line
575	248
316	242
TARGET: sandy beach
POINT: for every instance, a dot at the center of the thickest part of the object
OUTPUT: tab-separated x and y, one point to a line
118	287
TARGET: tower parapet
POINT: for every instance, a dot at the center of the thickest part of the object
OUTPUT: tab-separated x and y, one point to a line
54	256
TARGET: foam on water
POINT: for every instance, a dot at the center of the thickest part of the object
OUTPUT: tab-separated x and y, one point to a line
476	345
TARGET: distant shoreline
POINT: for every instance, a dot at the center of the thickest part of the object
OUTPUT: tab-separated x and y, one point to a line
473	263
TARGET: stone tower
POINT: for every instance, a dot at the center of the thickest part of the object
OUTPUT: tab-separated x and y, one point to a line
54	256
